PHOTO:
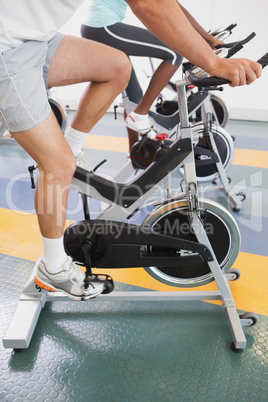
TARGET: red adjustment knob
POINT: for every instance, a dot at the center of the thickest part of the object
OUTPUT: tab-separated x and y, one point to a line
161	136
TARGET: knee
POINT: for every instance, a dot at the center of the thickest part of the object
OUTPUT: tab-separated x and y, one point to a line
127	67
62	169
66	169
69	169
122	70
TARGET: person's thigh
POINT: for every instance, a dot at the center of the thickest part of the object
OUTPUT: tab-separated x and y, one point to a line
80	60
133	41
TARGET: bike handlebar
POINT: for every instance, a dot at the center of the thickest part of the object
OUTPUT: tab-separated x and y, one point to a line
233	47
229	28
243	42
233	50
205	82
263	61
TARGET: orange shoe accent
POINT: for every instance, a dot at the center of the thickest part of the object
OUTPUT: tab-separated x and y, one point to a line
43	286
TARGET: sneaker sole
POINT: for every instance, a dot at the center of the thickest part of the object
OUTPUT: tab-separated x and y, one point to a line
43	286
144	131
51	288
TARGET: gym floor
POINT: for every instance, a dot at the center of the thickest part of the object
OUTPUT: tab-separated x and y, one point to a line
136	351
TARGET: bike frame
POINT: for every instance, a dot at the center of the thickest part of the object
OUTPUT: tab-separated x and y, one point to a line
32	300
172	125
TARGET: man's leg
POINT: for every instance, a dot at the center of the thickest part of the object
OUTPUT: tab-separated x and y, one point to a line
107	70
47	146
75	60
55	271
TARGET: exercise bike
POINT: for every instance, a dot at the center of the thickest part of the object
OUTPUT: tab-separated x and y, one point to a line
220	112
214	147
182	241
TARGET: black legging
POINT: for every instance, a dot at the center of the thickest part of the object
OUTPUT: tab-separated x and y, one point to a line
133	41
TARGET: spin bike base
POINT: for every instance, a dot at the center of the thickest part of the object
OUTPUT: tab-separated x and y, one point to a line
33	299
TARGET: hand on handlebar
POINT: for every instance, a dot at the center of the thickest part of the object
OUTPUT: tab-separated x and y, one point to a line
237	71
215	42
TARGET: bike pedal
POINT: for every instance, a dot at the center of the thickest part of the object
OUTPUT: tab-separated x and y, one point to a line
100	278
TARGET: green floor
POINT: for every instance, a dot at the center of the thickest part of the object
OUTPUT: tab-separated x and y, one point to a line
132	351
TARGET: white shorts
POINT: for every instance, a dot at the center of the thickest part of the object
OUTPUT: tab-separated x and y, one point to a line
24	84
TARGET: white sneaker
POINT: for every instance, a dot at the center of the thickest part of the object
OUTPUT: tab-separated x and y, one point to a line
69	281
142	125
81	162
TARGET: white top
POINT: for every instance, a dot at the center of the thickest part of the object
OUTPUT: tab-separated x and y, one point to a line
22	20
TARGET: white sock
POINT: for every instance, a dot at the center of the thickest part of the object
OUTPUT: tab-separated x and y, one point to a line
137	116
53	254
75	139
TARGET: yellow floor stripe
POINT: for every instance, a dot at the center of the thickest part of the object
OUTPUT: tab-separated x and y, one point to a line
244	157
19	237
19	234
107	143
248	157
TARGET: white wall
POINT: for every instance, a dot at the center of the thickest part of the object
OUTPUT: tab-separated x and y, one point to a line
249	102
